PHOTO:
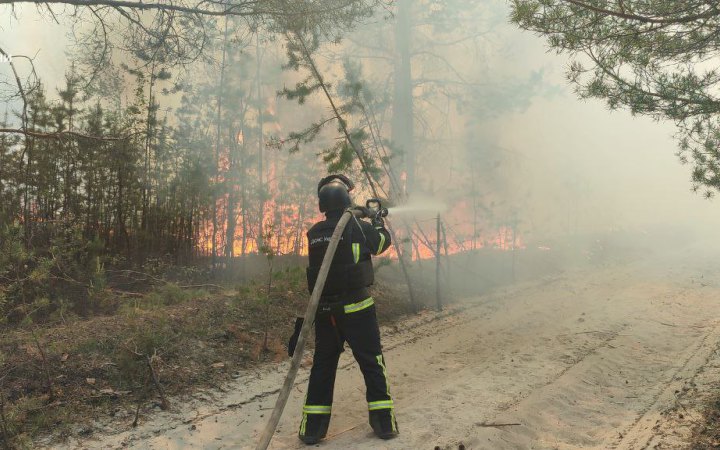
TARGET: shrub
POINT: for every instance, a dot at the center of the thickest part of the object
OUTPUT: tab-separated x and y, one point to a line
65	274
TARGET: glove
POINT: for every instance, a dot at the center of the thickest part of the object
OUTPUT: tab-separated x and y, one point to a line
294	338
364	212
378	222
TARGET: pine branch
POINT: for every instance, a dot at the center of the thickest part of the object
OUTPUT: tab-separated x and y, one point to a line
320	80
646	19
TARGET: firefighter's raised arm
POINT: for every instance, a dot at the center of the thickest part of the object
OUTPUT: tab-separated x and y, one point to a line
376	235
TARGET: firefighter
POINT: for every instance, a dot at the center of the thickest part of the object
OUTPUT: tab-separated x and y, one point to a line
346	313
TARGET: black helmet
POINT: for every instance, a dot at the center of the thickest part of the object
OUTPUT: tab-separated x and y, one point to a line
334	193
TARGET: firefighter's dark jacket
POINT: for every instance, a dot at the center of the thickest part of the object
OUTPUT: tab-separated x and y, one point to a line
351	271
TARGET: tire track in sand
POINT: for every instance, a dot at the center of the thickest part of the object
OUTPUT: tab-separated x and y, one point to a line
641	432
614	397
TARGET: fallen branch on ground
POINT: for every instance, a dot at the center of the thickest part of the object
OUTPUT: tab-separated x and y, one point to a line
3	422
141	397
46	371
343	431
165	405
496	425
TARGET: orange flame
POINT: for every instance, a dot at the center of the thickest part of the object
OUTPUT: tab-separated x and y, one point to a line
284	224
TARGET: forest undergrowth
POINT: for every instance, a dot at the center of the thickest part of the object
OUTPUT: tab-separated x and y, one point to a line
133	358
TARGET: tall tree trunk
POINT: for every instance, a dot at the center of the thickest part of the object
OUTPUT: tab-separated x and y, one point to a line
403	109
474	193
26	191
230	214
190	246
91	213
217	146
244	210
148	142
243	198
261	143
402	120
28	182
299	233
122	236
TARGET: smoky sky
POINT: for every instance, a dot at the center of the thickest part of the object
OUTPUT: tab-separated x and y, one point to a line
568	164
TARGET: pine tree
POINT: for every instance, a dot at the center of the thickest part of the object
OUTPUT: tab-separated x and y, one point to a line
647	57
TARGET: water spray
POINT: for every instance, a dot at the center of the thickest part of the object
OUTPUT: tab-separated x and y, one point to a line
419	206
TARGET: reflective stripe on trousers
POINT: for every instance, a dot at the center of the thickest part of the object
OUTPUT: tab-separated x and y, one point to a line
357	325
312	409
384	404
317	409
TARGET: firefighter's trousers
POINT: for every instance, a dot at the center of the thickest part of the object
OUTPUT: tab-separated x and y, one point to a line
357	325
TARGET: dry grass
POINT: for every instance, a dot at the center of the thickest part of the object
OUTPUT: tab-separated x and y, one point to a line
706	434
56	377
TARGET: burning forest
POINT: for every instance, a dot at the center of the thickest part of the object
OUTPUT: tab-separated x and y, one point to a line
182	181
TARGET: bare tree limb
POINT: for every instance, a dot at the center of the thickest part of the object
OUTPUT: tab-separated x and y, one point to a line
21	90
62	134
239	9
243	9
106	46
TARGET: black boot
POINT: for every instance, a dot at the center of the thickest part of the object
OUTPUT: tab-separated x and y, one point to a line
314	428
384	424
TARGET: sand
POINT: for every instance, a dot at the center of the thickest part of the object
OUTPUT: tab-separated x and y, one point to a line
585	359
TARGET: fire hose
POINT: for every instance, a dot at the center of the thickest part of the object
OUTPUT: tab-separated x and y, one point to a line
375	209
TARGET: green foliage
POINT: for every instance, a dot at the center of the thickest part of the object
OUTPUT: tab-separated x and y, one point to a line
79	205
145	340
65	275
349	101
648	57
168	294
302	90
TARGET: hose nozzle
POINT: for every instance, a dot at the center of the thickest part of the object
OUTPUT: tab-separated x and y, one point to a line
376	208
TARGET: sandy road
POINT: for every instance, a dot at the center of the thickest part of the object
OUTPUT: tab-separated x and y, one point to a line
588	359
